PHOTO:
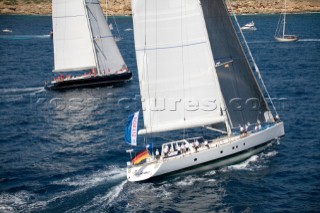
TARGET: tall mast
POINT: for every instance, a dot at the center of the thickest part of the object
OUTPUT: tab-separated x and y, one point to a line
91	35
107	10
284	18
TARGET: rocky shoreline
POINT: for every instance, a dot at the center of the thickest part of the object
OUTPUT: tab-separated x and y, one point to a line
123	7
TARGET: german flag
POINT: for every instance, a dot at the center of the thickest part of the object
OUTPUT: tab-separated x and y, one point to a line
140	156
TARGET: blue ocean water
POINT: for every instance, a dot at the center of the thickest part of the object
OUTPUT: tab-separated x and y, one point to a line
65	151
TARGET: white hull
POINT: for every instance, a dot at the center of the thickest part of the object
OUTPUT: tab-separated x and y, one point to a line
248	28
287	38
219	149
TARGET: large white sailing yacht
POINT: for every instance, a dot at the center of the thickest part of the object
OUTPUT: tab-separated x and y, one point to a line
190	61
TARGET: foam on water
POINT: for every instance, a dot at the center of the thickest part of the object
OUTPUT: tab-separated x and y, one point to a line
114	192
269	154
244	165
253	163
309	40
112	173
261	42
12	202
128	29
19	91
105	200
23	37
29	201
210	173
190	180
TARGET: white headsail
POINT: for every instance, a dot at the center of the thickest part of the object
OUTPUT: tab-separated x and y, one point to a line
178	80
73	49
109	57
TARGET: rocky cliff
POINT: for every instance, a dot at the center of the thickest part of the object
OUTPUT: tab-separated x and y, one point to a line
123	7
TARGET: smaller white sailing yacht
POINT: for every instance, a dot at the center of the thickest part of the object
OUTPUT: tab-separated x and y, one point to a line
280	34
116	38
84	43
192	78
250	27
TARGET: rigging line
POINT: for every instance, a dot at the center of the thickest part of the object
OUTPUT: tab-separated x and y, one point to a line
115	22
145	71
183	74
102	64
278	26
156	80
251	56
86	9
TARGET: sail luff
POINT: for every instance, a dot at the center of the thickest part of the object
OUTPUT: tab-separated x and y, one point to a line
91	37
110	60
213	64
243	96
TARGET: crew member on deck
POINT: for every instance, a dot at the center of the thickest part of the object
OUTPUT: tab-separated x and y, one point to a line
206	144
245	130
196	145
183	148
241	131
166	150
187	147
178	148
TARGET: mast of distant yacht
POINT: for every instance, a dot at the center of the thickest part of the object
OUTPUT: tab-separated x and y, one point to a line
284	18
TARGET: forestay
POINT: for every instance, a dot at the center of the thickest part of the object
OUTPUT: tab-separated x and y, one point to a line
73	49
244	99
108	55
178	81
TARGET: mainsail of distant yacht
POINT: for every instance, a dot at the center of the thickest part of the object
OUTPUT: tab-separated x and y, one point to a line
199	75
280	34
83	42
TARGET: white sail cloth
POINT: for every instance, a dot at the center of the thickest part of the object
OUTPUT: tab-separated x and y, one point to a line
176	67
82	38
73	49
109	58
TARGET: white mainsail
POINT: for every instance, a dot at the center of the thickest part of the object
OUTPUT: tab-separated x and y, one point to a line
177	74
73	49
82	38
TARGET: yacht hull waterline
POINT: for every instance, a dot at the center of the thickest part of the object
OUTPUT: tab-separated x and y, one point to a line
91	81
292	38
218	149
